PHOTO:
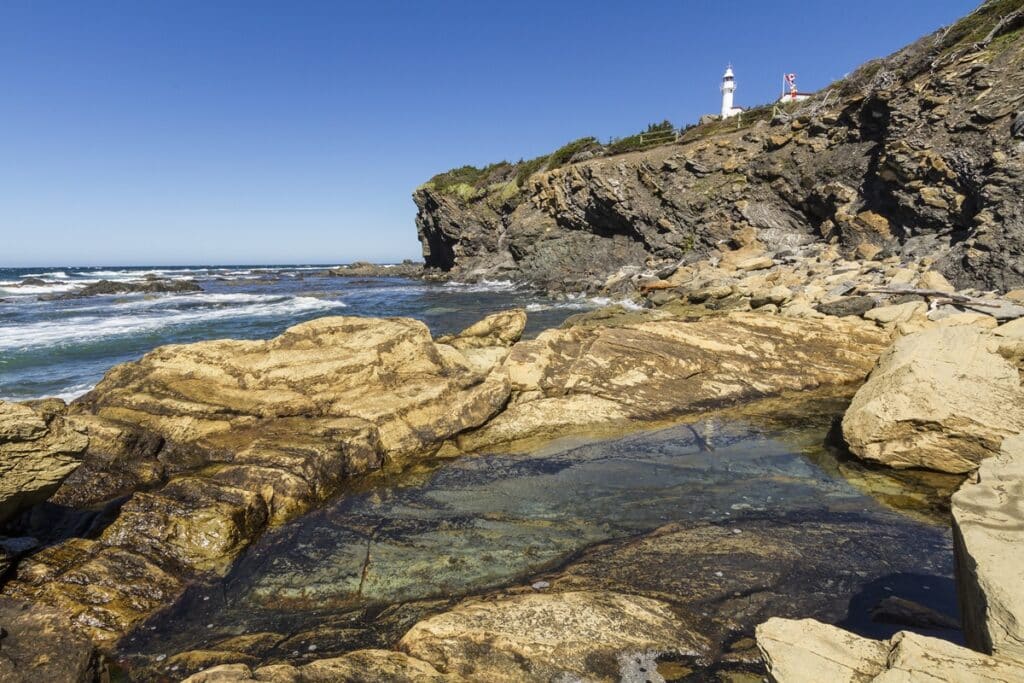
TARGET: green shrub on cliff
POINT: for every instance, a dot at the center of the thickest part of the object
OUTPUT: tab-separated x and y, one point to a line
656	134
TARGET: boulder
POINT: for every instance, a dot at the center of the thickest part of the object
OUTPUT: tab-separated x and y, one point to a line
589	635
807	651
850	305
37	452
942	399
243	434
936	281
570	378
897	313
38	644
988	531
499	329
1013	329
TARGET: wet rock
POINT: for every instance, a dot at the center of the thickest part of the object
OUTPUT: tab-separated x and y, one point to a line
250	433
541	636
988	516
407	269
808	651
361	666
942	399
565	379
38	644
104	287
37	452
851	305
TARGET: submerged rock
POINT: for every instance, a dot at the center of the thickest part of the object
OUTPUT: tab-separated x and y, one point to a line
941	399
38	644
37	452
988	524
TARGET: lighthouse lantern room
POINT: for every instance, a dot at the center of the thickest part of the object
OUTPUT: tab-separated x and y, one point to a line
728	88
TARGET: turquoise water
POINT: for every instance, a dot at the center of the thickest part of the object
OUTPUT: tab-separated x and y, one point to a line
63	347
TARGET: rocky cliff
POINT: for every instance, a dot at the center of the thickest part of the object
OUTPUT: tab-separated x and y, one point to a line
920	153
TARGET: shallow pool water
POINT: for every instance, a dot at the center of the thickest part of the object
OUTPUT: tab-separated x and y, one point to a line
361	570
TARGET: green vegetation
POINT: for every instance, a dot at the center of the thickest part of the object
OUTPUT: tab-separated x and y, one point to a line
656	134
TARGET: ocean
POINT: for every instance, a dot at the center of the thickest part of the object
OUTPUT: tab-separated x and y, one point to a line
61	347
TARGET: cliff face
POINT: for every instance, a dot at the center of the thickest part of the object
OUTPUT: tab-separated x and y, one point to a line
921	153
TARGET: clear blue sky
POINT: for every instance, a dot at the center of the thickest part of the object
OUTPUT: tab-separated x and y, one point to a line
214	131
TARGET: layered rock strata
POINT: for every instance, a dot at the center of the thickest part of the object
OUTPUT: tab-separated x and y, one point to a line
914	154
604	374
227	437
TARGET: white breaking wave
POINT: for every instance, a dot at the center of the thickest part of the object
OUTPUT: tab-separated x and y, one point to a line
483	286
35	290
90	328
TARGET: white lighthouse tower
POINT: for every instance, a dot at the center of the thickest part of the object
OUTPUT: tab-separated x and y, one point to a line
728	88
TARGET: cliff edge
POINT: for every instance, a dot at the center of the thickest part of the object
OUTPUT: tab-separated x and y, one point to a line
918	154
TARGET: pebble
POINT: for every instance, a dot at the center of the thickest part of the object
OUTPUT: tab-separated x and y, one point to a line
737	531
540	585
312	648
719	574
161	658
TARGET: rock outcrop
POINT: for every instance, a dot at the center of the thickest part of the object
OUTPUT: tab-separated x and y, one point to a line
360	666
914	154
941	399
585	635
988	526
807	651
230	436
106	287
605	374
37	452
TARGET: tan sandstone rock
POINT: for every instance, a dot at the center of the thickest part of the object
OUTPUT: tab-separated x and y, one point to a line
37	452
934	280
579	376
499	329
249	433
807	651
360	666
898	313
942	399
988	526
543	637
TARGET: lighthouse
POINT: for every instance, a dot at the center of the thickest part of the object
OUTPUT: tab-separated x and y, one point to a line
728	88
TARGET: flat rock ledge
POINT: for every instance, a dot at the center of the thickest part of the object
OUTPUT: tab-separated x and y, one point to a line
650	369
